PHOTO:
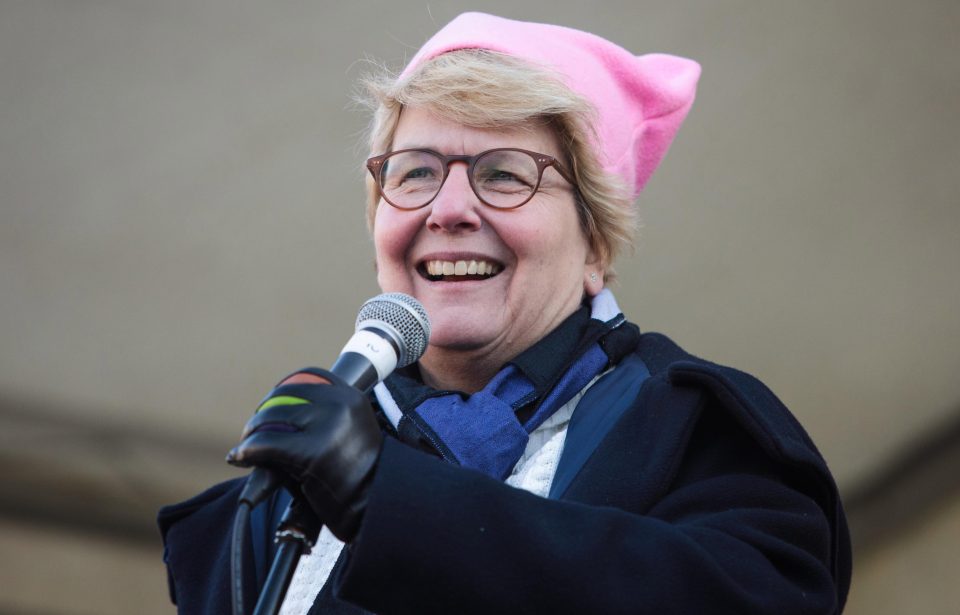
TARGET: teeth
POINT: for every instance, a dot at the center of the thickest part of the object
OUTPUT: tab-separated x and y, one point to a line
456	268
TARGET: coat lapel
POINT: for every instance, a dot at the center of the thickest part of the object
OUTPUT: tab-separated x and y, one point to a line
598	411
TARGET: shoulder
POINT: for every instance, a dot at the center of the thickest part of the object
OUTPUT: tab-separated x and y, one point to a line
745	398
730	398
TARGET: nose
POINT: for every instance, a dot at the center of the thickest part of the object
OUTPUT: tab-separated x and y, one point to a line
455	208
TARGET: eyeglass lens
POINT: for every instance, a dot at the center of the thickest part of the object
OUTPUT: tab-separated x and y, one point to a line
501	178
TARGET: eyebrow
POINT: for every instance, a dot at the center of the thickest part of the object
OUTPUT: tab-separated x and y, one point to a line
415	146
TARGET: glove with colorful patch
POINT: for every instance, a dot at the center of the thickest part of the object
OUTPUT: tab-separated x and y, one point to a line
321	435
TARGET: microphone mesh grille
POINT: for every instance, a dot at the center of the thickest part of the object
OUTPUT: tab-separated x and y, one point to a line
406	316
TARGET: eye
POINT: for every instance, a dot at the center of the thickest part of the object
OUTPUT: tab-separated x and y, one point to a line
419	173
501	175
505	180
414	170
506	172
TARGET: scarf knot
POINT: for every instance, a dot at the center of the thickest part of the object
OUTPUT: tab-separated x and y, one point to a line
483	431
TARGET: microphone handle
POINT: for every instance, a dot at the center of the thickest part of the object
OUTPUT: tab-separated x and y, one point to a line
357	370
261	482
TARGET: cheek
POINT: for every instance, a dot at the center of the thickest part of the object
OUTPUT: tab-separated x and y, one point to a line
389	235
393	235
389	264
553	247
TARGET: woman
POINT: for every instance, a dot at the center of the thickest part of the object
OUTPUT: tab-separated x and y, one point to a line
542	456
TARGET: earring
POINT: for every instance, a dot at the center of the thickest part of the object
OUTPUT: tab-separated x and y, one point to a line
593	277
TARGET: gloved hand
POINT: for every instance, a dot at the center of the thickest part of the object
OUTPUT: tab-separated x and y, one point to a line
323	438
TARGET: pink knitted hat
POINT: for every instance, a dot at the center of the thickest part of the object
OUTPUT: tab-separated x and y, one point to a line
641	100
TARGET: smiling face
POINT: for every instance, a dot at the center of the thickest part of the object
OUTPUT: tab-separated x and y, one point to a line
493	281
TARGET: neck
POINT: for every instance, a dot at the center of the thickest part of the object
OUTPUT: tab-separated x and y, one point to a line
469	370
456	370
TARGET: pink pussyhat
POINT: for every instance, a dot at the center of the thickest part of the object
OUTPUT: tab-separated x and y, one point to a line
640	100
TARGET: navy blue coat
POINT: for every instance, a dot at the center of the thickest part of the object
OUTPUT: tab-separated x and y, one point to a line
684	487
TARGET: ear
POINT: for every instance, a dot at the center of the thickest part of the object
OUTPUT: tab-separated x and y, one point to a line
593	275
592	282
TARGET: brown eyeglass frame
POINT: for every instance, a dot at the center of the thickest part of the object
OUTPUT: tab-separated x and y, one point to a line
375	166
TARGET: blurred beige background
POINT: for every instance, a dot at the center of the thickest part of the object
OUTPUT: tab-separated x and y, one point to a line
181	223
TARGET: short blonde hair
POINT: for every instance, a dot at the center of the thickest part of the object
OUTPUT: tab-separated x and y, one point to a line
486	89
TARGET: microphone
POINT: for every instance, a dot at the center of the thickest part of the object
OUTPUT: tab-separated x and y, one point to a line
392	330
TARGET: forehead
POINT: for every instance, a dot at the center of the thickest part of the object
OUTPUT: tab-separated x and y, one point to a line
421	127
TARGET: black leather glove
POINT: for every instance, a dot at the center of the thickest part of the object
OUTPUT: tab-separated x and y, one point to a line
321	437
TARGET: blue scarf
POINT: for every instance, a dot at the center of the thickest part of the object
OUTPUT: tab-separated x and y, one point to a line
482	431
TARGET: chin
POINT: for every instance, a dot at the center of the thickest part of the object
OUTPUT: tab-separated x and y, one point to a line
458	338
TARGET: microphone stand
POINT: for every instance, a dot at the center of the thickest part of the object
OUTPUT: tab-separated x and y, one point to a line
296	534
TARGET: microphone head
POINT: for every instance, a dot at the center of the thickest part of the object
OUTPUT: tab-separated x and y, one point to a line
404	318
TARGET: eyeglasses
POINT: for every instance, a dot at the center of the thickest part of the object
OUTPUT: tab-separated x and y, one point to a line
504	178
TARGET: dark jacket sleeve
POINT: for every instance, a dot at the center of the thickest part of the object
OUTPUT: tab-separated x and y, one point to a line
196	536
726	529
